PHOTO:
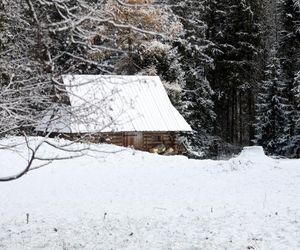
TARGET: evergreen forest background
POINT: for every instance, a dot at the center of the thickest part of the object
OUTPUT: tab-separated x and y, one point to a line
231	67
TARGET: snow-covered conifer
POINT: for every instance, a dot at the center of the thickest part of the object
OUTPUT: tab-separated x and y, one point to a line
272	109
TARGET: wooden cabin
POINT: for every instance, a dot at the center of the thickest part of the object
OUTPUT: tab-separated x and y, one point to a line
129	111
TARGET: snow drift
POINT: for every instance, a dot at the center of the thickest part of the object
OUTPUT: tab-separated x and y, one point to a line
136	200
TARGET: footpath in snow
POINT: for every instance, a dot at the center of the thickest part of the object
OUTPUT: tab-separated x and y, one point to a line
116	198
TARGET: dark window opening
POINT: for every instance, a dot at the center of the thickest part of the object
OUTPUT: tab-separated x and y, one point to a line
156	137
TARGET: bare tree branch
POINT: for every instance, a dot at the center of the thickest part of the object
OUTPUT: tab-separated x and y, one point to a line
29	164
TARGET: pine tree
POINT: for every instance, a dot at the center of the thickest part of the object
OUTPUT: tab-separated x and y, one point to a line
293	148
193	60
289	51
234	27
272	109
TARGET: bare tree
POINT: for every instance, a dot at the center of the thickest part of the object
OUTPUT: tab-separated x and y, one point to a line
41	40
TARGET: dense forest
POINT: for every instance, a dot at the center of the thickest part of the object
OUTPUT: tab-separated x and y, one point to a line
231	67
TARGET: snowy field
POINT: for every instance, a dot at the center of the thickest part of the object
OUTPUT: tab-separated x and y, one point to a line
136	200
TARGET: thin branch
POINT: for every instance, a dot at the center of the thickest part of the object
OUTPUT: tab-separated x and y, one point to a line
29	164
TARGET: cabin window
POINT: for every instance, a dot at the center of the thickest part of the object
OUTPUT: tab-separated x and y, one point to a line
156	137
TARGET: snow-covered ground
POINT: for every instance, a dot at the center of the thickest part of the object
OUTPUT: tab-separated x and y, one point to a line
136	200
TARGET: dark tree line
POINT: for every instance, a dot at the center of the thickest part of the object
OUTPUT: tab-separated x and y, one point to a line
231	67
254	77
278	116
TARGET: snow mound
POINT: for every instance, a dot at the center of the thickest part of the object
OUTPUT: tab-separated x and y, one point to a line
250	156
253	152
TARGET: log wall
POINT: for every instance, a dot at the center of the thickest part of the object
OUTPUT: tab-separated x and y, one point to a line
139	140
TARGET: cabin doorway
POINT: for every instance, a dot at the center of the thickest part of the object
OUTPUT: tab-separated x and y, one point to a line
134	140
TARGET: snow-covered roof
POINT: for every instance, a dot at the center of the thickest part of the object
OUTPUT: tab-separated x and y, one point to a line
112	103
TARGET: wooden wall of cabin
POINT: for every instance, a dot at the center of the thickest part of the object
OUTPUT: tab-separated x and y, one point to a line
142	140
139	140
152	139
